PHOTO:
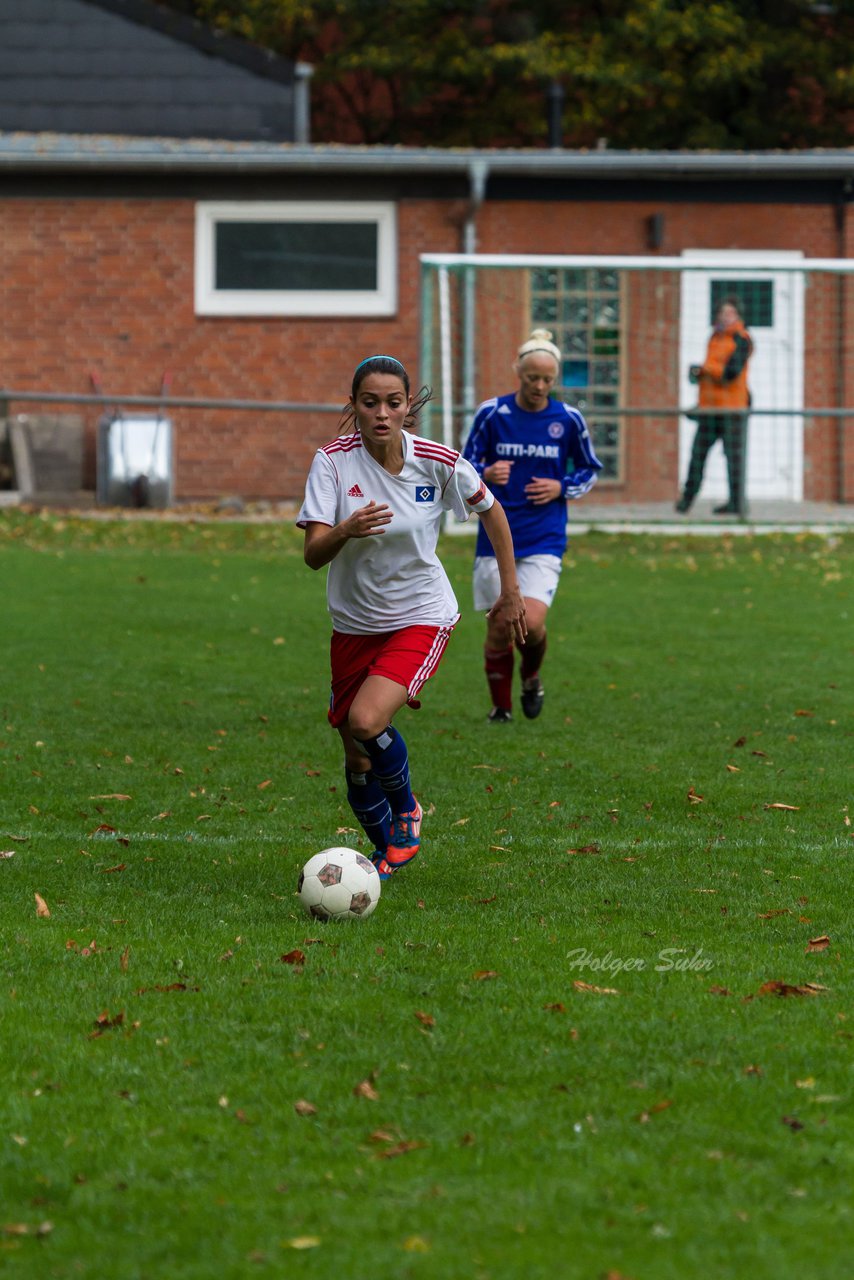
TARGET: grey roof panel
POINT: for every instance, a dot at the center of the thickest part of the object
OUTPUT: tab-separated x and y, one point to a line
116	66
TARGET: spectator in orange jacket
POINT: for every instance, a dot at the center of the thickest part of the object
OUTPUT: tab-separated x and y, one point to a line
722	381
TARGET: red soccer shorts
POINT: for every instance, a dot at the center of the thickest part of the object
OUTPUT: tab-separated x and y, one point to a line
409	657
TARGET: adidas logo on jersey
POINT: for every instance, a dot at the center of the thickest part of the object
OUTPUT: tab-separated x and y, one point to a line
355	492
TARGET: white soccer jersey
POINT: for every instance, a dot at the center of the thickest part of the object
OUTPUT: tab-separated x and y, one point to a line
392	579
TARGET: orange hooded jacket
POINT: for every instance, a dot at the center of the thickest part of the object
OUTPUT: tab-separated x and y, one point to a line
723	374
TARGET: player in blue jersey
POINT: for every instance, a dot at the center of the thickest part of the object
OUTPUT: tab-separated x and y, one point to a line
535	454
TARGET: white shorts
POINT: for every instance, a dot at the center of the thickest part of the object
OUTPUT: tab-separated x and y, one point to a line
538	578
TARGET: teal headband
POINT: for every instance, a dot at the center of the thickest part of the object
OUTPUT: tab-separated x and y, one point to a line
393	359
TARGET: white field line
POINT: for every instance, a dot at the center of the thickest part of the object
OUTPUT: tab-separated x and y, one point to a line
21	838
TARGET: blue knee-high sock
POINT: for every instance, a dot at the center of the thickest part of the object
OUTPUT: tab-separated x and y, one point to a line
369	804
390	759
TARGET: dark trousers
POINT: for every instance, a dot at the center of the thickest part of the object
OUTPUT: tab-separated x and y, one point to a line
732	431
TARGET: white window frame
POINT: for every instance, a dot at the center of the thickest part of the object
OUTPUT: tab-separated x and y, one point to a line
211	301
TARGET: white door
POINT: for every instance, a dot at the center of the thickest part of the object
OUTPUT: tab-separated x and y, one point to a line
774	304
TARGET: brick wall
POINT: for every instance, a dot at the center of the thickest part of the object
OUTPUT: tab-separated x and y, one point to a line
107	285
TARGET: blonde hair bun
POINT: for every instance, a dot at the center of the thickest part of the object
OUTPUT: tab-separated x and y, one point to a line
540	340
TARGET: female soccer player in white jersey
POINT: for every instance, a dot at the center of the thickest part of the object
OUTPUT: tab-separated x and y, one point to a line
535	453
372	511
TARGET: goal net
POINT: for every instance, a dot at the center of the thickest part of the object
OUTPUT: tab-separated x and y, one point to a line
628	329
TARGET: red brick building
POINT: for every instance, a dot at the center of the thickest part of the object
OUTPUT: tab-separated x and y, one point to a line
255	269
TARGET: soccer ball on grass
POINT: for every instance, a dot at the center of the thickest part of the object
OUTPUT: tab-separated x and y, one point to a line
339	884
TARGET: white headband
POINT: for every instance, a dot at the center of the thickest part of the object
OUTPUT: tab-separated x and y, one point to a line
540	340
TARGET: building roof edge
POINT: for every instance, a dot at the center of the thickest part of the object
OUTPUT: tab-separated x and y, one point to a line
114	153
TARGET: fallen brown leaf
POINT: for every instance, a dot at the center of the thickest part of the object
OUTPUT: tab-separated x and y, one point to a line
382	1135
293	957
654	1109
303	1108
172	986
776	988
598	991
789	808
365	1089
42	909
770	915
793	1122
399	1149
693	797
426	1019
104	1022
557	1007
719	991
24	1229
120	866
817	944
483	974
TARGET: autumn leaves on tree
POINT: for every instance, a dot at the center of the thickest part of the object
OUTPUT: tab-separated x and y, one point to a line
658	74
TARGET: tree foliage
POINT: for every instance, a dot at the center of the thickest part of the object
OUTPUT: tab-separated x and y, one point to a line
662	74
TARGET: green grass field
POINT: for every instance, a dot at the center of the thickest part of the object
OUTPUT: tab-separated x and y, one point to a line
548	1053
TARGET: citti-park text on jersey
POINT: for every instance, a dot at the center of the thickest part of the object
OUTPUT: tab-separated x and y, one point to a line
510	450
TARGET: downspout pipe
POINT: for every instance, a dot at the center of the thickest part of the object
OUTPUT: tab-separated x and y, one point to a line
303	71
478	175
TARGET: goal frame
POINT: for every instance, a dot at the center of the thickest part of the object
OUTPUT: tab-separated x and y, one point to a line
450	353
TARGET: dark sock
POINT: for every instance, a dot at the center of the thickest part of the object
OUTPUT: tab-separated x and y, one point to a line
369	804
388	755
532	657
498	665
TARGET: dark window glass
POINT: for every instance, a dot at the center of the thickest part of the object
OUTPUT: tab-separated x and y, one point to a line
583	308
755	300
294	256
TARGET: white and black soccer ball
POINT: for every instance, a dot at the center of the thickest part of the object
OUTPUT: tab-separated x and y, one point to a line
339	884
